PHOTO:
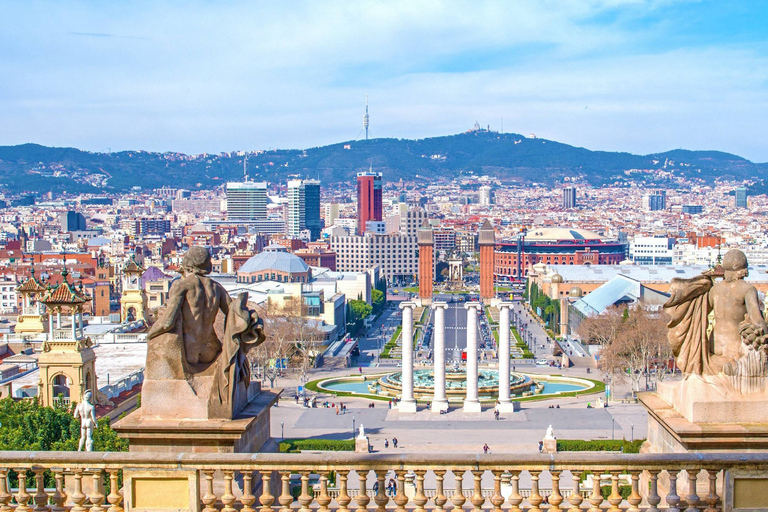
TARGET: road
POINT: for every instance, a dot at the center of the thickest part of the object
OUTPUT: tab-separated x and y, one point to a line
531	331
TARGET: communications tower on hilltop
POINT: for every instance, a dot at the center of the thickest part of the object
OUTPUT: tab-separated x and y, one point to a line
366	119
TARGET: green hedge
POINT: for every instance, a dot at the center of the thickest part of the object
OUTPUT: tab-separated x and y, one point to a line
599	445
328	445
392	343
517	336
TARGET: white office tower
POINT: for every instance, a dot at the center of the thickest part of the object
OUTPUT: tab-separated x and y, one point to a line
246	200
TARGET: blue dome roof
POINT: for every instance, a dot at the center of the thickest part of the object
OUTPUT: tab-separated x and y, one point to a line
274	260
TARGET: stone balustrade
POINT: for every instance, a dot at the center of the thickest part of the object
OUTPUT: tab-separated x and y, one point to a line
80	481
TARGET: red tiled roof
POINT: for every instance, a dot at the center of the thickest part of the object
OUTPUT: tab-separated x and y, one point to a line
65	293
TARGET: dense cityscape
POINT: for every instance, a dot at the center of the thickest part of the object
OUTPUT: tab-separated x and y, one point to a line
214	296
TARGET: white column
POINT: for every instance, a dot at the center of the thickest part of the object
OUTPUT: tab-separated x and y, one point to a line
58	318
50	326
74	325
439	401
471	402
505	404
407	402
80	323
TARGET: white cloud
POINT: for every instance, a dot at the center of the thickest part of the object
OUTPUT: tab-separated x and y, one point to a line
208	77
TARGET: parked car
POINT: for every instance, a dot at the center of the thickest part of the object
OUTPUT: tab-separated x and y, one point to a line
542	362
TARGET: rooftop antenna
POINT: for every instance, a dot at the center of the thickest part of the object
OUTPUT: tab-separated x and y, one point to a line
366	119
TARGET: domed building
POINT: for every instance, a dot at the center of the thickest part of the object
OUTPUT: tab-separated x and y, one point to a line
554	246
274	263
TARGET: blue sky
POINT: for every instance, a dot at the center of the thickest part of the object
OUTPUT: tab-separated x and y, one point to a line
639	76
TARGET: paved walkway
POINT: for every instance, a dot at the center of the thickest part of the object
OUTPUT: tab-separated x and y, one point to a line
461	432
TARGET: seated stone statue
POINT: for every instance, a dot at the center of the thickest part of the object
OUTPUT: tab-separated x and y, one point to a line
190	372
718	328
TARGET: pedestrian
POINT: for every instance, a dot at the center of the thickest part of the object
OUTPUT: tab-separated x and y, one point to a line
541	446
376	487
337	411
361	370
390	404
496	414
394	442
386	443
486	449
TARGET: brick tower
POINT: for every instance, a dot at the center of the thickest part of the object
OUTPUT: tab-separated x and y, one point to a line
487	242
426	242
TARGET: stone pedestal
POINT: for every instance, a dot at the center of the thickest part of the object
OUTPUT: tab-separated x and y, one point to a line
550	446
693	416
508	407
362	445
248	432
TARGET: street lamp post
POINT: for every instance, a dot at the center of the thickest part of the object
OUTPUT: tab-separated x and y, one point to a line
613	423
353	426
282	431
632	430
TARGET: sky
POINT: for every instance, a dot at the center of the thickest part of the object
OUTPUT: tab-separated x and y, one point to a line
637	76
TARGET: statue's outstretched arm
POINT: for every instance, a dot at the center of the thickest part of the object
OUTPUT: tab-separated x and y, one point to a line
172	310
224	299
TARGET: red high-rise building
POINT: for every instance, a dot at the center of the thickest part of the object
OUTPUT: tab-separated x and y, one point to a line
369	205
487	241
426	243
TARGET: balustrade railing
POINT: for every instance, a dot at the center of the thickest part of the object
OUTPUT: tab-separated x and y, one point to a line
62	334
80	481
125	384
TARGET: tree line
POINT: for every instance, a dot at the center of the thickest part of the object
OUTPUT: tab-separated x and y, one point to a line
633	344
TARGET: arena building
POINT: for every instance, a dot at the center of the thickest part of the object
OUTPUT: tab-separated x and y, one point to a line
554	246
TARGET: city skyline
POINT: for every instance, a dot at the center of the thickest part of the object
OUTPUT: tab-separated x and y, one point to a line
641	77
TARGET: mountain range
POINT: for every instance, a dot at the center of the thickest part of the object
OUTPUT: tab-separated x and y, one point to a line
509	157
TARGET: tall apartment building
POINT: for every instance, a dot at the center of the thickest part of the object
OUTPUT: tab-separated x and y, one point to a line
369	199
692	209
656	201
396	254
246	200
304	208
485	196
152	226
569	197
412	221
741	197
331	213
72	221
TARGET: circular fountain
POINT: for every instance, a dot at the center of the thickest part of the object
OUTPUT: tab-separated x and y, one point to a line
455	384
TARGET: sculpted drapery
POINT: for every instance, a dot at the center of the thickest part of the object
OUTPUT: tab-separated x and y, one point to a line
689	337
717	327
